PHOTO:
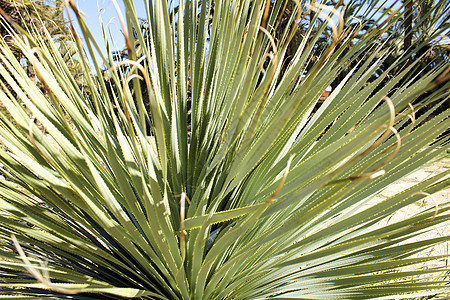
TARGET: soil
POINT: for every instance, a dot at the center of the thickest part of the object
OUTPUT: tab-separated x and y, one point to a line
442	249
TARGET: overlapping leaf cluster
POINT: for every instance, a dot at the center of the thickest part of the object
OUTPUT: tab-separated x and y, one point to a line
269	194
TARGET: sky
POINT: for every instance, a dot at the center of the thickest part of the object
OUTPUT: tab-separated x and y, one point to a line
92	9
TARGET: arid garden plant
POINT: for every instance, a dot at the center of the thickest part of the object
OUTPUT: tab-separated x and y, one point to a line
106	194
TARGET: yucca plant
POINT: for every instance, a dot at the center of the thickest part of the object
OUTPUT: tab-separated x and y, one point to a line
269	194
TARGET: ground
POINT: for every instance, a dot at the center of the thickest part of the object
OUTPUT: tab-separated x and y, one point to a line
429	202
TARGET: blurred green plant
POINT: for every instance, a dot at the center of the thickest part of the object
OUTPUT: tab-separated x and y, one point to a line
270	197
25	12
33	15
